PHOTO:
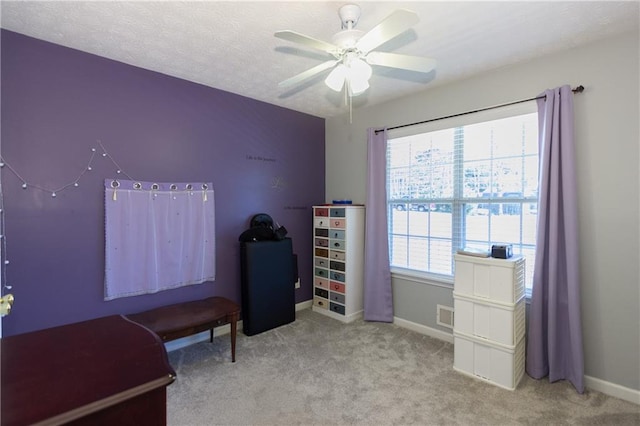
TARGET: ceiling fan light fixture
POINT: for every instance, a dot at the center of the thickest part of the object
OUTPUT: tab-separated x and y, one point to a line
335	79
360	70
357	87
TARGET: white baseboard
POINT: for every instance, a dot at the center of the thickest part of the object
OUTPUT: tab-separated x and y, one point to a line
612	389
607	388
304	305
218	331
423	329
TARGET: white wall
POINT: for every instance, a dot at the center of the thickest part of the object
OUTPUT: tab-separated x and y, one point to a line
608	155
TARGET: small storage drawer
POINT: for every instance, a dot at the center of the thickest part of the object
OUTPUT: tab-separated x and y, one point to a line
337	212
496	364
337	234
337	276
322	252
321	242
500	323
321	292
321	262
337	255
321	282
336	297
321	222
337	244
321	272
322	232
322	212
320	303
338	309
339	287
338	266
337	223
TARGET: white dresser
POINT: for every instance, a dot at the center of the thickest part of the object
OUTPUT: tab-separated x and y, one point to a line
338	258
489	327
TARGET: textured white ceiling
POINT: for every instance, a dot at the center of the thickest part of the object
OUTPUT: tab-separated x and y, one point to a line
230	45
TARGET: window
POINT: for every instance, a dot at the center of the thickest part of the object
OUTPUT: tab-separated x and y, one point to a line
467	185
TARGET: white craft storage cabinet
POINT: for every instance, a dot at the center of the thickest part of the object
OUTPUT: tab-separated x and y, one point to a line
338	258
489	328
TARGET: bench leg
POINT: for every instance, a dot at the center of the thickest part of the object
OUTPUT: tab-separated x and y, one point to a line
211	335
234	321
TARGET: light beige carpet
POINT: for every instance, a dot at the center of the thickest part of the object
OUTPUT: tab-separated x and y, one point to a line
319	371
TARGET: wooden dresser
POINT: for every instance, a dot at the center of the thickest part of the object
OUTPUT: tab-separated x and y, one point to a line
104	371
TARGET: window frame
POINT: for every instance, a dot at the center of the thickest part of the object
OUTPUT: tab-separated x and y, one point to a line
459	120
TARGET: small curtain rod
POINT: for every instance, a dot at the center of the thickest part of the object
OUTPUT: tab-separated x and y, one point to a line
578	89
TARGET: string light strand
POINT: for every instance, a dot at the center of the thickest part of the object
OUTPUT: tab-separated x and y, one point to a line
74	183
25	184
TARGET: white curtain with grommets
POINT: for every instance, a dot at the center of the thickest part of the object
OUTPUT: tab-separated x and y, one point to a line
158	236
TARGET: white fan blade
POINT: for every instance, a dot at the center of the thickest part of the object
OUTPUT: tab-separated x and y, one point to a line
307	41
394	60
308	73
393	25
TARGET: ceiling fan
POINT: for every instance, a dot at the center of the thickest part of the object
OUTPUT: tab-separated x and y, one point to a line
353	51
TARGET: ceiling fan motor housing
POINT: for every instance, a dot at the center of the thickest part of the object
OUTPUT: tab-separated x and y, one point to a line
346	39
349	15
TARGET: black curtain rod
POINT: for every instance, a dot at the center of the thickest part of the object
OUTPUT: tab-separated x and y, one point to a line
578	89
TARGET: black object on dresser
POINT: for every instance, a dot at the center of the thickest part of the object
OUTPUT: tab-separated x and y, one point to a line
268	285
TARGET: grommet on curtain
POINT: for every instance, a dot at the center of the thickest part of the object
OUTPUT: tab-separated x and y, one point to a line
155	187
204	191
115	185
137	185
173	187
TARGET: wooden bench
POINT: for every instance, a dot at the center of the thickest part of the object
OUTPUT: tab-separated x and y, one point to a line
184	319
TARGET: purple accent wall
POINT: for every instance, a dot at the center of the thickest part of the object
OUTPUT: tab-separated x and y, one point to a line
57	102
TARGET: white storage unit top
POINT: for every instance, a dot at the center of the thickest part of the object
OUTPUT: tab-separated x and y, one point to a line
500	280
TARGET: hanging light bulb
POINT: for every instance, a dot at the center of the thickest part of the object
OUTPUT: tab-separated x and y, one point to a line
335	79
359	74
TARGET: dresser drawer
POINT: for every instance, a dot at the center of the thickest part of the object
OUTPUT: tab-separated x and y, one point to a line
336	297
337	276
321	242
337	255
339	287
337	223
322	252
321	222
336	234
338	266
337	212
321	292
338	309
322	232
337	244
321	262
321	282
322	212
321	303
321	272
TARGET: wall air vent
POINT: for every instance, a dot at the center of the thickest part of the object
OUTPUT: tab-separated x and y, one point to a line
444	316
